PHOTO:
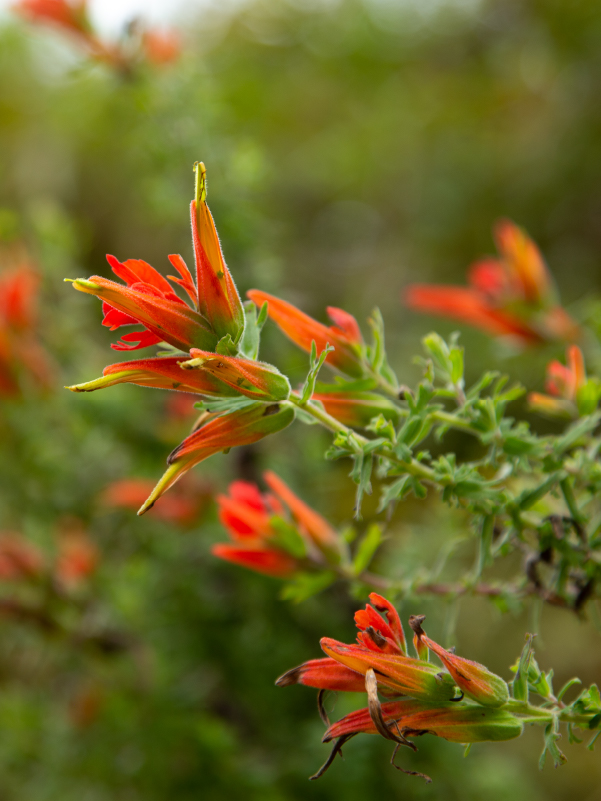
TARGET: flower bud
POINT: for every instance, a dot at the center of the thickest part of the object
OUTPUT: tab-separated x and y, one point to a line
410	718
256	380
401	673
473	679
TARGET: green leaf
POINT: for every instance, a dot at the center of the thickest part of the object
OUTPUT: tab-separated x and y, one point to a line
566	687
486	535
520	683
226	346
287	537
361	475
588	395
377	353
366	549
551	747
305	585
224	405
251	339
395	491
316	363
456	357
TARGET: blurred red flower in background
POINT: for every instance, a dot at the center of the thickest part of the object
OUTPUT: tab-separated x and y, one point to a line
184	506
512	295
253	521
22	358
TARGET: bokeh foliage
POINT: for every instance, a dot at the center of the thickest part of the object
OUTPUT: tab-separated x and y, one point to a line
352	147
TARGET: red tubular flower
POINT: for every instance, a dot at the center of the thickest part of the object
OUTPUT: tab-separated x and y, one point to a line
344	335
269	561
19	559
411	718
251	519
161	47
473	679
390	628
310	522
246	514
161	373
221	432
378	664
256	380
402	674
148	299
510	296
20	351
469	306
572	392
324	674
72	16
78	559
183	507
218	298
564	382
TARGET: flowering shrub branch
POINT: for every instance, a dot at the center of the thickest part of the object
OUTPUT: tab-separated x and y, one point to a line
526	493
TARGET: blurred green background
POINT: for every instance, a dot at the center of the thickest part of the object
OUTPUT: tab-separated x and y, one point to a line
351	147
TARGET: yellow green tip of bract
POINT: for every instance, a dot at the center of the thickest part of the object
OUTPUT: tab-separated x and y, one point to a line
168	478
83	285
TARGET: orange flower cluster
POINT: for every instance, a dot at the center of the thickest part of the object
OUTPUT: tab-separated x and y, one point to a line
22	358
77	558
200	333
184	507
73	18
509	296
571	393
378	663
254	520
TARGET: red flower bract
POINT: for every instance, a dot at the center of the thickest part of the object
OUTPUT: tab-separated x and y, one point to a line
147	298
511	296
221	432
250	519
344	335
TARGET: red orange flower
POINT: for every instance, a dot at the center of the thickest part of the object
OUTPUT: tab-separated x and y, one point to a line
72	17
161	47
218	433
19	559
210	327
251	519
345	335
458	724
256	380
183	507
21	355
572	392
509	296
162	373
471	677
148	299
379	663
78	558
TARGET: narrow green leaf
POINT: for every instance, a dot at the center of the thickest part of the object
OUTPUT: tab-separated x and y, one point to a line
367	548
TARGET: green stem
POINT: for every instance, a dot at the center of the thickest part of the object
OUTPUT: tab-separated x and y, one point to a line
385	385
413	467
568	495
454	422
